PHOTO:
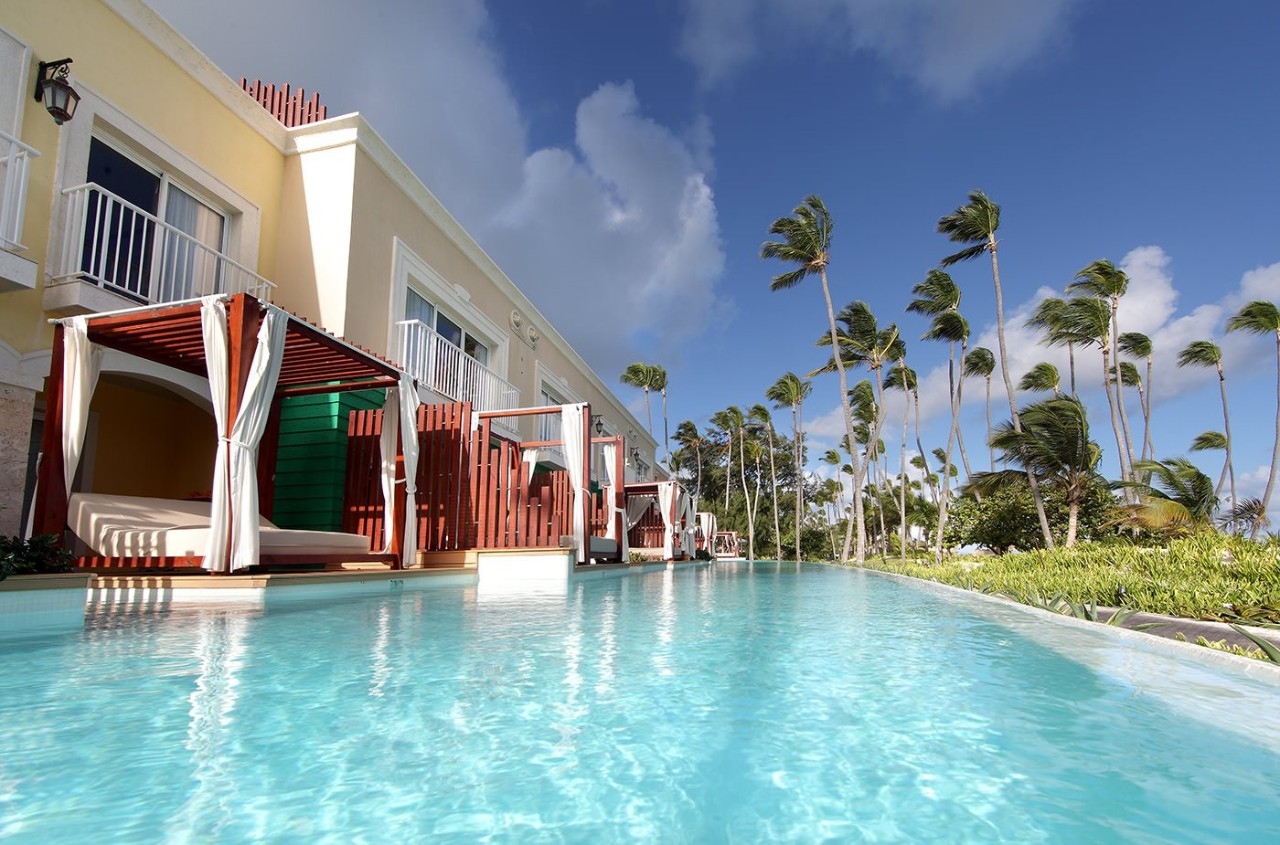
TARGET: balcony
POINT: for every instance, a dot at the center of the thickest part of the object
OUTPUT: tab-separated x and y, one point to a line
115	254
16	272
444	368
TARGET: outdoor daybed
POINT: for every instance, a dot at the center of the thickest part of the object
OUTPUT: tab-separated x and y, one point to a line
133	526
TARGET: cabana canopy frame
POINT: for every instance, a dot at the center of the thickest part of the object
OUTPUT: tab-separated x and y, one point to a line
314	361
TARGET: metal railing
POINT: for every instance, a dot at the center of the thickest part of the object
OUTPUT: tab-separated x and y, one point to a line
120	247
15	162
443	367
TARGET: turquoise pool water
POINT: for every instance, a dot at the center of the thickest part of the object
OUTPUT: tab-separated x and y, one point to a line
736	703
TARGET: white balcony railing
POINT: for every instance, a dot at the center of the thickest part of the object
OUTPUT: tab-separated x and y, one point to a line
443	367
122	248
15	161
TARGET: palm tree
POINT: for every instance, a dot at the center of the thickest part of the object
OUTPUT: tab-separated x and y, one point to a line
903	378
1261	317
1053	444
1042	377
976	224
1206	353
791	390
980	362
1178	499
1088	320
658	382
1104	280
728	421
1216	441
1126	373
640	375
759	415
806	242
688	437
860	341
1050	318
1138	345
952	327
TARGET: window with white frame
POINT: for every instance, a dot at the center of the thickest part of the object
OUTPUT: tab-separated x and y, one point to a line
146	235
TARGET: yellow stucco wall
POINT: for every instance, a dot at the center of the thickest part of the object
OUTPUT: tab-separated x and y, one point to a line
149	443
116	63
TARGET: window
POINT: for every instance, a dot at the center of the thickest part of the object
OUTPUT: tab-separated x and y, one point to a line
126	248
416	307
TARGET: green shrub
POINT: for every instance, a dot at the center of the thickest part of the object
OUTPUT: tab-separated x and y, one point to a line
29	557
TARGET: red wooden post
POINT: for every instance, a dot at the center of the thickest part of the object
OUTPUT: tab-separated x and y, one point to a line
244	317
619	502
399	499
51	493
585	502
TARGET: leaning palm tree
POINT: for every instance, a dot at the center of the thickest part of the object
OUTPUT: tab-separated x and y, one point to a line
1178	499
1053	444
980	362
1125	373
861	341
806	242
952	327
1206	353
1261	317
975	224
1050	318
903	378
640	375
1088	321
1107	282
1207	441
728	422
759	416
791	390
689	438
1041	378
658	382
1138	345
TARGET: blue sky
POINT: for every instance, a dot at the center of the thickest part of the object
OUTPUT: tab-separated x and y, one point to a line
623	161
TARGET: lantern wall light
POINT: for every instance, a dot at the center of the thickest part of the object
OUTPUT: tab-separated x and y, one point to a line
53	89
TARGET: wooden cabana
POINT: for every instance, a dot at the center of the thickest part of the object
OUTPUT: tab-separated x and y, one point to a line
254	355
660	519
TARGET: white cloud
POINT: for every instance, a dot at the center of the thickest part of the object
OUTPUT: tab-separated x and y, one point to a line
947	49
615	238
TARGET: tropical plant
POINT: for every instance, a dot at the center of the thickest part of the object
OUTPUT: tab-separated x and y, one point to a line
1053	445
1177	498
1105	281
1212	440
34	556
761	420
1138	345
1050	318
688	437
805	240
643	376
981	362
1206	353
1261	317
1043	377
975	224
790	391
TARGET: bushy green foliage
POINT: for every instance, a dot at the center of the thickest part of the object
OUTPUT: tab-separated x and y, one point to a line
1208	576
30	557
1006	518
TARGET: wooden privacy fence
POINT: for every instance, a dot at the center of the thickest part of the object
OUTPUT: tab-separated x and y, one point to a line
444	503
650	531
474	488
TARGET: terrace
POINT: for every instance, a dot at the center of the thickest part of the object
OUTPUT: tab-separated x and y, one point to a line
16	272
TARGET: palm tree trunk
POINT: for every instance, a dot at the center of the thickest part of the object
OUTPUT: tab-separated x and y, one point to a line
1115	418
991	452
902	482
964	453
799	470
945	497
1226	430
1073	520
1008	386
746	494
773	480
648	409
1071	368
1148	447
1124	414
844	381
1275	450
915	400
666	435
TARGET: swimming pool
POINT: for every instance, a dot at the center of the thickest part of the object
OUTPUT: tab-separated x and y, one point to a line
727	703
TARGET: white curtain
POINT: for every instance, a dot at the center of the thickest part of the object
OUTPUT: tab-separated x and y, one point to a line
387	449
572	433
609	454
234	510
636	508
666	504
409	426
707	522
81	364
689	535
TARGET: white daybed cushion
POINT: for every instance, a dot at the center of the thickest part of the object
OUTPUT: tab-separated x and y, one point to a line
126	526
603	546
